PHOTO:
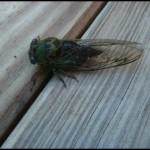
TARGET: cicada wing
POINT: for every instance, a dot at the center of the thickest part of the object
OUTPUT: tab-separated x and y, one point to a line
101	42
114	53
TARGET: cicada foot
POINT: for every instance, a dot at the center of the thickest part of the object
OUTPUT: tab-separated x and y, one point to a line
69	75
65	73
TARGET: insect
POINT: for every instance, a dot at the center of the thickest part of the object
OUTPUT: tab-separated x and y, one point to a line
82	54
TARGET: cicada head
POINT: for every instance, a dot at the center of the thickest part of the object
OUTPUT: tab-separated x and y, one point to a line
32	51
43	51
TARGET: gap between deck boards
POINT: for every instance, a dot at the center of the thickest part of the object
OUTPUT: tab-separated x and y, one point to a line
79	28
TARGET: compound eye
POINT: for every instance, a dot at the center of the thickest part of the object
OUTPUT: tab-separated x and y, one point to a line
32	57
32	60
34	41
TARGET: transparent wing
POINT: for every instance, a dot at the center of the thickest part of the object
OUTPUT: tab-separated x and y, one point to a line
114	53
98	54
102	42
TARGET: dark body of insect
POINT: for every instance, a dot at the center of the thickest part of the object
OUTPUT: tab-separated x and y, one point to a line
82	54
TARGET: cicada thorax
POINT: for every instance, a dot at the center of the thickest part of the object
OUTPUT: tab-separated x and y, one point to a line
77	54
68	45
72	51
47	50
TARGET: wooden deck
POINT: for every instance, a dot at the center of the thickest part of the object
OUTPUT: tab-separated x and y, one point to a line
108	108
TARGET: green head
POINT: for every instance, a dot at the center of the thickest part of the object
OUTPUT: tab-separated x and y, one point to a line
43	51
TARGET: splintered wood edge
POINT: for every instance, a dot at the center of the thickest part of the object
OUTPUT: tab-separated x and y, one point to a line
33	87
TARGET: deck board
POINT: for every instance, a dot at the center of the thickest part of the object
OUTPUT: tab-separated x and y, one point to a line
107	108
21	82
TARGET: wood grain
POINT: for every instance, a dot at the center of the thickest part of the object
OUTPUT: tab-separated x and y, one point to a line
21	82
85	20
108	108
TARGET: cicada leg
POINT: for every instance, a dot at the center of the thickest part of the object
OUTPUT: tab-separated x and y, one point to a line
65	73
59	77
69	75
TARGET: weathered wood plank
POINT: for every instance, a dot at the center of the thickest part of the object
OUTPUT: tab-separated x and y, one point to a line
19	24
107	108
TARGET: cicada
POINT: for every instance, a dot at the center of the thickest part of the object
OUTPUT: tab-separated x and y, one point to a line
82	54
